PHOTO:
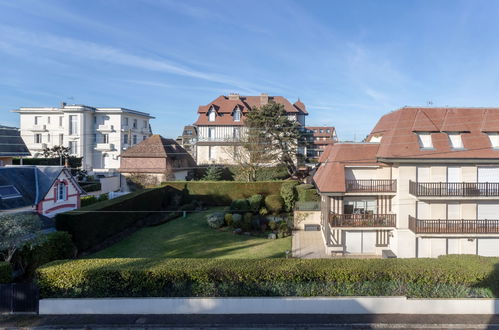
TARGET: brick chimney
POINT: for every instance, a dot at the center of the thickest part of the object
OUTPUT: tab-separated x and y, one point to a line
264	98
233	96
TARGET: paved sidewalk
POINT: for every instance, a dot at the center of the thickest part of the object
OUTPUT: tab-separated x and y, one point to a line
308	245
274	321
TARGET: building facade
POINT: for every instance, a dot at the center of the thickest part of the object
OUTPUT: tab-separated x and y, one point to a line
99	135
188	139
221	124
11	145
425	184
318	138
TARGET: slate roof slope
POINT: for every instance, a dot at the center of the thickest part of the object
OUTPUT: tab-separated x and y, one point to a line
157	146
11	143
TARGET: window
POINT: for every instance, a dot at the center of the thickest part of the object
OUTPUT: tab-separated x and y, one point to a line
212	153
9	192
135	123
425	140
48	137
38	120
237	115
48	120
328	131
73	148
211	133
126	122
134	139
144	137
321	131
38	138
236	133
145	123
61	139
73	125
125	139
375	138
494	140
105	138
61	118
61	191
455	140
211	115
95	120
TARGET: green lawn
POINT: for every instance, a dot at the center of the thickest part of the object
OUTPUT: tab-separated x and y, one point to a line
191	237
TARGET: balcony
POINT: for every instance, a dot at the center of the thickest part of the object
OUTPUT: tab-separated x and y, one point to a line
38	146
362	220
372	186
39	128
453	226
104	146
105	128
454	189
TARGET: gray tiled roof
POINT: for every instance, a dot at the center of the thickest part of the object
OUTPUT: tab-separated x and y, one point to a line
11	143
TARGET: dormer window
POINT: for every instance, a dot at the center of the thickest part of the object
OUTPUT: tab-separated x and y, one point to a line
425	141
211	115
375	138
494	139
237	114
456	140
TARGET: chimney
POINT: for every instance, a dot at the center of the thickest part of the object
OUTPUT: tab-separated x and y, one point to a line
63	104
264	98
233	96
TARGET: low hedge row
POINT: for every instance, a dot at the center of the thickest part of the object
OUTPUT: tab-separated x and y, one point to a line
452	276
5	272
93	224
221	193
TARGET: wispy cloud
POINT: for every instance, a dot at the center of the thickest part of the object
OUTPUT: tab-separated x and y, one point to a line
99	52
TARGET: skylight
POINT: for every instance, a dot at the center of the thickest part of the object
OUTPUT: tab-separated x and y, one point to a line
9	192
494	140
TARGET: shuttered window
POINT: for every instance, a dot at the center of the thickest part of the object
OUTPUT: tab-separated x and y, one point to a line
488	174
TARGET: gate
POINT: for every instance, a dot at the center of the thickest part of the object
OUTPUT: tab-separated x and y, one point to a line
18	298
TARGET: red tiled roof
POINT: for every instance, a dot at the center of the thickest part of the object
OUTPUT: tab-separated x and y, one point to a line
224	108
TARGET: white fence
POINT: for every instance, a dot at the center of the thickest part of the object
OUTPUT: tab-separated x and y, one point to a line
277	305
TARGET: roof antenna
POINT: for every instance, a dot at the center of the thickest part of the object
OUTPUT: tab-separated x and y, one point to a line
430	102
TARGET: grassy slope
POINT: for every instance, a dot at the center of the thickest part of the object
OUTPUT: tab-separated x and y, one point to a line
191	237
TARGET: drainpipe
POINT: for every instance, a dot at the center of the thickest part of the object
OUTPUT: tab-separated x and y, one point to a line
36	185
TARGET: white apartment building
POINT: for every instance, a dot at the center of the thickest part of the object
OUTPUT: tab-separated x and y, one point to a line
99	135
425	184
221	123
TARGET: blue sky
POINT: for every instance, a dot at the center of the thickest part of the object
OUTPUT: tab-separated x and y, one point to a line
348	61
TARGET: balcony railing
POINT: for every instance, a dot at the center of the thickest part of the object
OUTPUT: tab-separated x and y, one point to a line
371	185
456	189
453	226
362	220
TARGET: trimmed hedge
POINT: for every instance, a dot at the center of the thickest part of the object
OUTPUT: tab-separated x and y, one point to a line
91	186
97	222
451	276
5	272
307	193
222	193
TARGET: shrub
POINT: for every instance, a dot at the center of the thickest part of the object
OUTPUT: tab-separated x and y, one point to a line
307	193
103	197
237	220
89	226
57	245
228	219
213	173
240	205
222	193
289	195
263	211
5	272
247	220
273	225
283	230
215	220
255	202
88	200
274	203
452	276
90	186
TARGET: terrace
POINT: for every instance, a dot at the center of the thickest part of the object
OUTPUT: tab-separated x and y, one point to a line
453	226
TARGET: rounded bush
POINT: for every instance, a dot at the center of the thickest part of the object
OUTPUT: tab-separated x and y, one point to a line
255	202
246	224
237	220
215	220
228	219
240	205
274	203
